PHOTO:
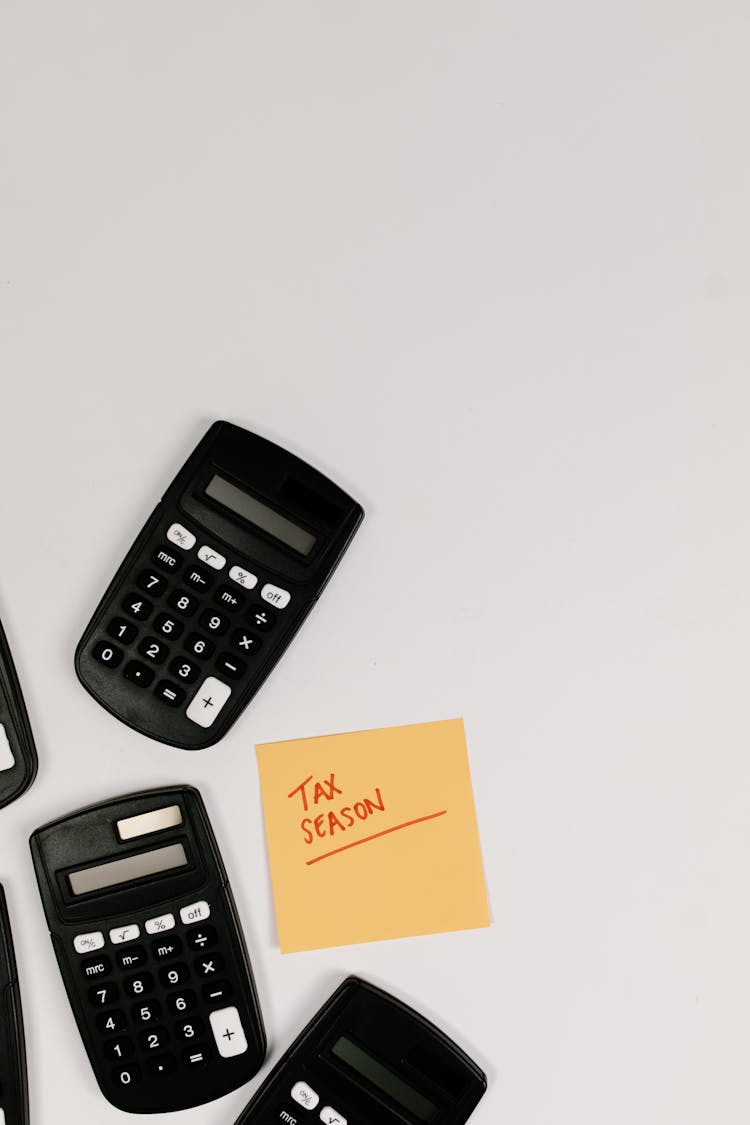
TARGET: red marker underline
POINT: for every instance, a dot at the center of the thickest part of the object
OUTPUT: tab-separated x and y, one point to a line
366	839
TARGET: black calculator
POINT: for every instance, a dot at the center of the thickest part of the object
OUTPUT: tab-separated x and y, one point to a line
368	1059
18	760
14	1098
214	588
150	949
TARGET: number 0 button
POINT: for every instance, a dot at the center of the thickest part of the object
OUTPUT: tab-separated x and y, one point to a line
107	654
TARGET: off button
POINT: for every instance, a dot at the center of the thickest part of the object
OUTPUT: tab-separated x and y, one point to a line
275	595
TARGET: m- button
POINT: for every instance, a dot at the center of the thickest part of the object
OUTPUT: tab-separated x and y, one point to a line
195	912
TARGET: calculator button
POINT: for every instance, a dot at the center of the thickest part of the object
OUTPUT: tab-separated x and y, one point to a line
107	654
147	1012
103	994
185	669
195	912
166	948
188	1030
111	1021
96	967
209	966
122	630
183	602
230	666
208	701
174	975
229	1035
88	943
199	646
151	583
219	990
162	1065
181	1002
304	1095
228	598
160	924
261	618
126	1076
202	938
199	578
211	557
124	933
153	1040
243	577
138	673
153	650
120	1048
169	693
167	560
216	623
331	1116
195	1056
140	985
137	607
132	957
245	641
181	537
276	595
168	626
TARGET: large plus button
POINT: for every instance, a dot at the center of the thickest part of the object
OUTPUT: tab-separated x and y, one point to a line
228	1032
208	701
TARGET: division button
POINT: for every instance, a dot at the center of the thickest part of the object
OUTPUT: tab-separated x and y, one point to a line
305	1095
88	943
208	701
181	537
228	1032
261	618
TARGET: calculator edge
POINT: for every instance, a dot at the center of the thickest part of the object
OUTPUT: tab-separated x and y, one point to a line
17	704
13	1014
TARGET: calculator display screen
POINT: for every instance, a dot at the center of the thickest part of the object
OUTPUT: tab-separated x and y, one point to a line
127	870
245	505
384	1078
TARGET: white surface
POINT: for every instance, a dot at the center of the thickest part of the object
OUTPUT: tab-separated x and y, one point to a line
487	266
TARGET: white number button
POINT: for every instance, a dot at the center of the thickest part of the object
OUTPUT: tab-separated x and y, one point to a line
161	924
88	943
208	701
195	912
181	537
124	933
305	1095
211	557
243	577
276	595
330	1116
228	1033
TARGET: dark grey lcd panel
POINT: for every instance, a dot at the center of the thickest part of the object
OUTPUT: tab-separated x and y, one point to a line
132	867
245	505
384	1078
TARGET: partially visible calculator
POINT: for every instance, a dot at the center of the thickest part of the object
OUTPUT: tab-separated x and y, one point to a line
367	1059
150	949
214	588
14	1097
18	760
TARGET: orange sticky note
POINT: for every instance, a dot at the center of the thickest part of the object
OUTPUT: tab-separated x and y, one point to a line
372	835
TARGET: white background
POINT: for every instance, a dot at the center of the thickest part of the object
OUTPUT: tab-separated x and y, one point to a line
486	265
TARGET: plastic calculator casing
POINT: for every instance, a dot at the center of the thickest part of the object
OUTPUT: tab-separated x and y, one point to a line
367	1059
14	1097
18	760
207	599
155	967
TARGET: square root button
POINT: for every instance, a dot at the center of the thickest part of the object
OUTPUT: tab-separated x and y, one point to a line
208	701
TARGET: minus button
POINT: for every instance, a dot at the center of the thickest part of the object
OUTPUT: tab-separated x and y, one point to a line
230	666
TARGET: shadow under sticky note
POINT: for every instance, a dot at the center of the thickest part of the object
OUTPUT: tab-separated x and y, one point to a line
372	835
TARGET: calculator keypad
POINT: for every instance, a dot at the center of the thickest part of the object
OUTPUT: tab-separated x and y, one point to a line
176	1009
204	627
